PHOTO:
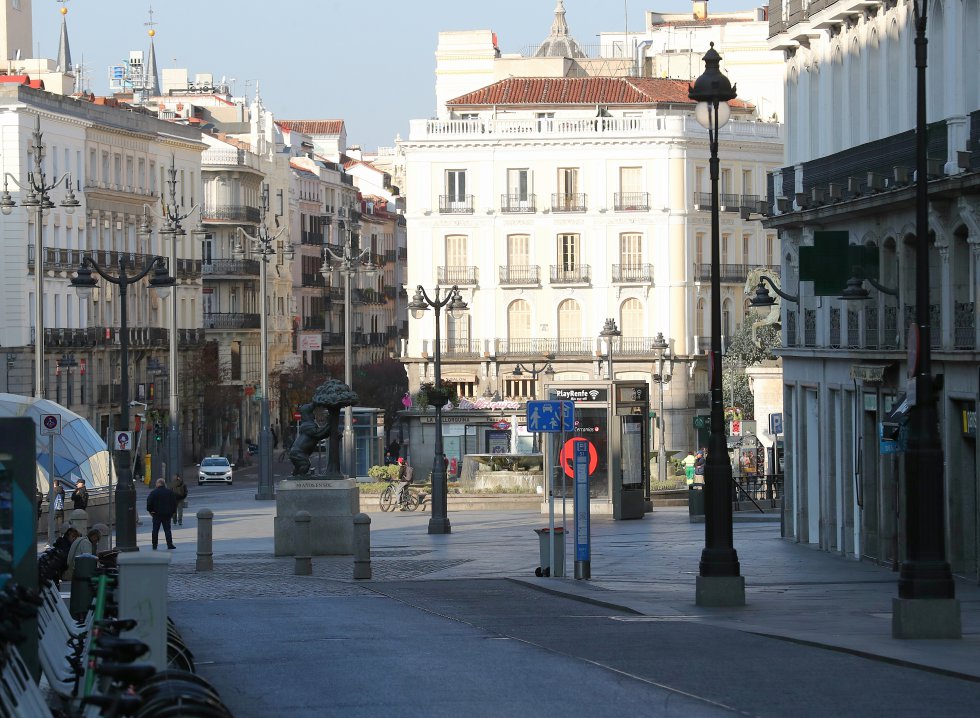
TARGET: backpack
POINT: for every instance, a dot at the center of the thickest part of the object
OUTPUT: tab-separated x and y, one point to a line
409	471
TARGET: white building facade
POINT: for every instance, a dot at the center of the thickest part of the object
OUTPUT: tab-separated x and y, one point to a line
850	168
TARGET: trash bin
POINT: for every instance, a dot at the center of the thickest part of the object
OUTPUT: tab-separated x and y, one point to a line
695	500
544	543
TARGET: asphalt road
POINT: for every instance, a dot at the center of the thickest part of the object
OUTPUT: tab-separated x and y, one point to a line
496	648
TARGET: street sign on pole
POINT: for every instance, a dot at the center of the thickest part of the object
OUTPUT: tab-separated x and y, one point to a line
50	424
776	424
550	417
583	554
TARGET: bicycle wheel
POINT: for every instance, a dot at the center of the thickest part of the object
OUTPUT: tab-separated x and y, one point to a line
387	499
411	500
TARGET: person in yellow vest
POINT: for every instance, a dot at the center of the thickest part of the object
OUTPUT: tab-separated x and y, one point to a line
688	462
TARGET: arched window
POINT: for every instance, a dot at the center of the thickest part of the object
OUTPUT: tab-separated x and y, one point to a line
519	326
569	325
631	317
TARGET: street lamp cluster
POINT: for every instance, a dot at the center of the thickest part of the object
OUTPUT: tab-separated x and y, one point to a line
420	304
265	244
38	200
665	366
350	262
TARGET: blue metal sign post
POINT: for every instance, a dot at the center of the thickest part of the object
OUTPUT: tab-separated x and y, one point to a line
550	417
583	549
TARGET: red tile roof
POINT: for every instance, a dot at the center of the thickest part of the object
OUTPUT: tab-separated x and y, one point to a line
580	91
313	127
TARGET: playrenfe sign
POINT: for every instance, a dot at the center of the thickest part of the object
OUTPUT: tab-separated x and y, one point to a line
487	404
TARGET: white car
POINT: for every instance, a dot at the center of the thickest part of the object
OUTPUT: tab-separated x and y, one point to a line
215	468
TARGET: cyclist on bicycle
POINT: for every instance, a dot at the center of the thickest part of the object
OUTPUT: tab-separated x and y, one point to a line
405	473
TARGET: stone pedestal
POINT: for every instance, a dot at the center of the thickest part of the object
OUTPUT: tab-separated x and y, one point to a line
926	618
332	505
719	591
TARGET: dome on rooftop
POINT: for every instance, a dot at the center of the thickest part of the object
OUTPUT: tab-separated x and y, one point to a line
559	43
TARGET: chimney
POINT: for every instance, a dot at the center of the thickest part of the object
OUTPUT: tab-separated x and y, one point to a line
700	9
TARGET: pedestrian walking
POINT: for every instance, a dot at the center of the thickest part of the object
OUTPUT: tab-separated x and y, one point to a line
180	492
79	497
59	504
161	504
82	545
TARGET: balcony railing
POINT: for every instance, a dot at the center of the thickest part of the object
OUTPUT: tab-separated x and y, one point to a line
313	323
188	337
964	326
726	202
455	204
461	347
230	213
726	272
518	204
511	275
526	347
568	202
631	201
627	273
231	320
582	274
458	275
231	267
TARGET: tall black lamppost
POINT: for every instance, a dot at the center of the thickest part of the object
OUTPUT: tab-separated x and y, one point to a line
926	606
163	283
535	372
266	245
67	362
171	230
439	521
719	582
37	199
350	262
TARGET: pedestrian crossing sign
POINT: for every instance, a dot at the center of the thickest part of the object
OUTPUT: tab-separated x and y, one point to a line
550	417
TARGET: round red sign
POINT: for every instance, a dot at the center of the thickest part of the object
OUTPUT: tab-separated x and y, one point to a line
568	457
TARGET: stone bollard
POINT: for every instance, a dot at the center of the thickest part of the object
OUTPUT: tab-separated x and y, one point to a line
78	520
205	555
304	562
362	546
82	593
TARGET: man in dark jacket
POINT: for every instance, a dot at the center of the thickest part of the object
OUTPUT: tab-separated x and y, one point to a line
79	497
161	504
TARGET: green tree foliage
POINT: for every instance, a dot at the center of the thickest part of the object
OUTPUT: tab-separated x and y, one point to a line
740	354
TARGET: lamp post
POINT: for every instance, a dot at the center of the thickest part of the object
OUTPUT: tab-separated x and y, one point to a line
37	199
421	302
534	371
172	229
350	262
163	283
66	361
665	366
609	331
926	606
265	244
719	582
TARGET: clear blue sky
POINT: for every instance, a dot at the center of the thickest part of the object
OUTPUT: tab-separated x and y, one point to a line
370	63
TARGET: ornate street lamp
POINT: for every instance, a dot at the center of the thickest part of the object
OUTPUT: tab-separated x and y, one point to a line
926	606
172	217
37	199
609	332
265	244
350	262
665	366
719	582
420	304
163	283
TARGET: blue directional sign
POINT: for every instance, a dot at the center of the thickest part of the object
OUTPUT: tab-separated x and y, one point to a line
550	417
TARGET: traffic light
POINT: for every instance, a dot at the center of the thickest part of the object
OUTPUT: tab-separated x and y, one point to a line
157	432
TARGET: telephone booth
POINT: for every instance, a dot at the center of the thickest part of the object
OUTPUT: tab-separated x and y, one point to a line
613	418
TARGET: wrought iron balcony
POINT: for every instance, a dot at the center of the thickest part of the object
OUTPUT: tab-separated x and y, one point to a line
560	274
518	203
519	275
231	320
230	213
632	273
455	204
568	202
461	347
231	267
631	201
735	273
727	202
458	275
